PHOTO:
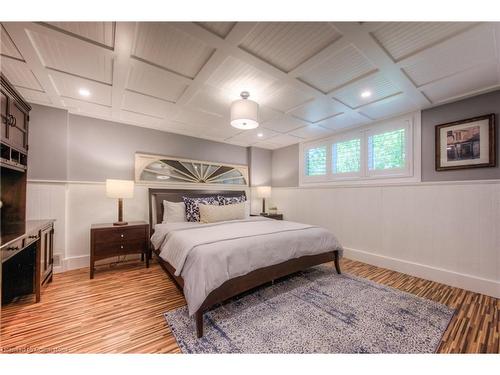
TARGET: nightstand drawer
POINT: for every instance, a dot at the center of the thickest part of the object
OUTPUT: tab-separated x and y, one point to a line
120	247
118	234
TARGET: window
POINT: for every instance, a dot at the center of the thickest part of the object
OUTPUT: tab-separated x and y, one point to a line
387	150
346	157
382	150
316	161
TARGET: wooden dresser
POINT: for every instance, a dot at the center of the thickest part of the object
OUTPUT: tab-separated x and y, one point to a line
108	240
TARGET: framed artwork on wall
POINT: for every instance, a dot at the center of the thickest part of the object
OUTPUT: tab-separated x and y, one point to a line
469	143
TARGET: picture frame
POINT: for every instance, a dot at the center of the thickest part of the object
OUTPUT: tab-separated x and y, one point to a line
464	144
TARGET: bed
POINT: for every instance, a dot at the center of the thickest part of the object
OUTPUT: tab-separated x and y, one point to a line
211	263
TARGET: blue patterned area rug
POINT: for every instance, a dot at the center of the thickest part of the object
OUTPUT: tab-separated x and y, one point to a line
317	311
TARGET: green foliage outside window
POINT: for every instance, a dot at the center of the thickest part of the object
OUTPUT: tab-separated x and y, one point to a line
387	150
316	161
346	156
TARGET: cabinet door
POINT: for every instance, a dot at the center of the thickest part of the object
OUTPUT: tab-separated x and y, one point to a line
3	116
18	133
47	246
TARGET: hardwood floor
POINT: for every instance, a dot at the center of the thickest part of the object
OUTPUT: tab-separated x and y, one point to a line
120	311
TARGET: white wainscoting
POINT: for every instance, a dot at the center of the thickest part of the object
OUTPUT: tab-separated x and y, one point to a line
446	232
75	206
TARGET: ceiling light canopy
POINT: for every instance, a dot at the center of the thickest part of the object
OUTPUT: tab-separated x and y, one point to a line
244	113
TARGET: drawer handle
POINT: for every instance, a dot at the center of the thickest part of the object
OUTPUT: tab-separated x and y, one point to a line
121	235
12	248
32	237
121	247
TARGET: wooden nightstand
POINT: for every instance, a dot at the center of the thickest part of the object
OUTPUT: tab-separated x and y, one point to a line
273	216
108	240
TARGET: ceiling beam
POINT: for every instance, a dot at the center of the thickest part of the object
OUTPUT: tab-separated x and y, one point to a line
124	40
19	35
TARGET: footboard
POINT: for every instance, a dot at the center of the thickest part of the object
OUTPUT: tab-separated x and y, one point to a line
261	276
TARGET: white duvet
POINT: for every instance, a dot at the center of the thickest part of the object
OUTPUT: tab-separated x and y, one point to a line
207	255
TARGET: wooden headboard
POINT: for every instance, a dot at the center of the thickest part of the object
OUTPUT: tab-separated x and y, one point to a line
157	196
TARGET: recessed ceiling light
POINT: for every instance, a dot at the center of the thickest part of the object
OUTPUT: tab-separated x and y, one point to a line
366	94
260	135
84	92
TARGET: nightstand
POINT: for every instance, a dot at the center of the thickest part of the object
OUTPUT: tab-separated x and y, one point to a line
273	216
108	240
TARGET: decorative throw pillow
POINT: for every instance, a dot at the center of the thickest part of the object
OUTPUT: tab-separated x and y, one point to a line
213	214
193	206
174	212
231	200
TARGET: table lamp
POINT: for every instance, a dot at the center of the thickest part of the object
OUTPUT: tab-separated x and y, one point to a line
120	189
263	192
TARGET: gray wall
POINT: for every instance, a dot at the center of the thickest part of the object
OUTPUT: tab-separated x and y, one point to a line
467	108
78	148
285	166
260	166
48	148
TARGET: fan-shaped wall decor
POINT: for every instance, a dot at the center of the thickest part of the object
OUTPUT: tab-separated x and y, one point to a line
157	169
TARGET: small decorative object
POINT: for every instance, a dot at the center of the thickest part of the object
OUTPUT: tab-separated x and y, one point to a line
120	189
273	210
467	143
263	192
244	113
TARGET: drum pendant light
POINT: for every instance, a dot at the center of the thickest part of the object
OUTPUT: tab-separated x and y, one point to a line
244	113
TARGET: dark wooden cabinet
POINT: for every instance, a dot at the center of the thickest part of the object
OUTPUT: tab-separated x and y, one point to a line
46	254
14	122
108	240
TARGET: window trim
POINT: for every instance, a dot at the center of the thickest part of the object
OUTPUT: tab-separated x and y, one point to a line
411	173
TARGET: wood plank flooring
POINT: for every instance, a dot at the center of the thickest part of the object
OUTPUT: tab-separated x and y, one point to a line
120	311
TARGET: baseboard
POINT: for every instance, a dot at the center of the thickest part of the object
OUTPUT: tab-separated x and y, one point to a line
83	261
459	280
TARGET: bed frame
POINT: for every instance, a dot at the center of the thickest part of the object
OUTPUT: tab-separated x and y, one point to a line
240	284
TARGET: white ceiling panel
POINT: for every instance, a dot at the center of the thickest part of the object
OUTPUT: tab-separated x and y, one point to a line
156	82
213	101
69	86
389	107
86	108
235	76
147	105
189	116
34	96
19	74
163	44
346	120
288	44
279	141
73	58
284	124
469	49
141	119
344	66
268	114
376	84
255	135
311	132
463	83
403	39
218	28
287	98
317	110
7	46
99	32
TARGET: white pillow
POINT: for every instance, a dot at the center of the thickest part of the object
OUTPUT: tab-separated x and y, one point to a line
174	212
212	214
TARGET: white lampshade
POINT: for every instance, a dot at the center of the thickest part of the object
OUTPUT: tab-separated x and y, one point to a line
119	188
263	191
244	113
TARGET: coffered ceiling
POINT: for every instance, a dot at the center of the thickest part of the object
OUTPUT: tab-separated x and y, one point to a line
310	79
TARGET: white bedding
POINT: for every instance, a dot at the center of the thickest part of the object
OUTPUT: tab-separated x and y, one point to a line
207	255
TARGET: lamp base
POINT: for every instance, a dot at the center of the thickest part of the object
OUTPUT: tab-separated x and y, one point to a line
120	223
